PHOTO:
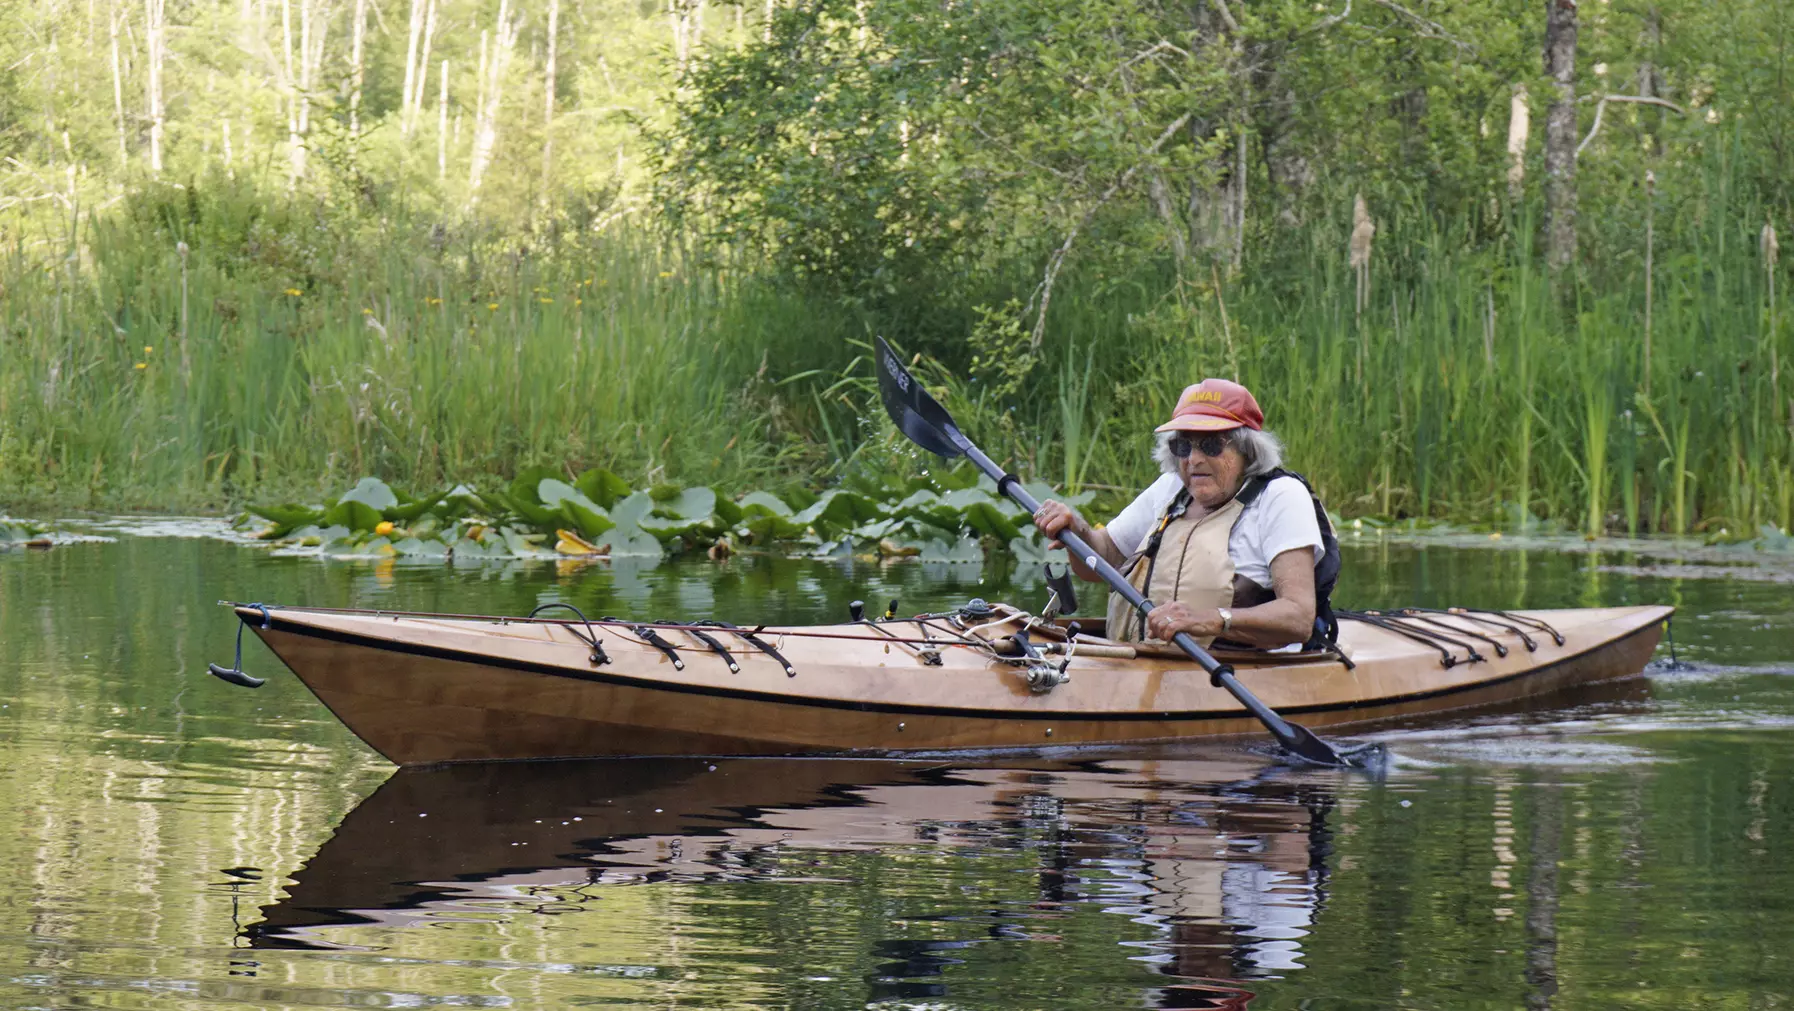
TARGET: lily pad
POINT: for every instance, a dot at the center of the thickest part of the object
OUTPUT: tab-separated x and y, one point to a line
963	551
527	509
630	511
587	516
371	492
521	544
411	509
287	516
630	542
688	504
990	520
763	502
354	514
602	486
667	528
838	510
1030	548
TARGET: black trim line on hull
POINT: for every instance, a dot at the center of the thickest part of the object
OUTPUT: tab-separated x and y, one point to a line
548	670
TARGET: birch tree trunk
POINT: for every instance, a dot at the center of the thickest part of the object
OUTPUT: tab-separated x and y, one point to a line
358	32
485	133
118	85
1560	134
295	151
554	20
415	102
155	14
442	122
314	24
303	92
415	29
686	18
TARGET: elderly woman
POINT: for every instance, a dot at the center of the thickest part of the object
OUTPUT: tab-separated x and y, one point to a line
1227	543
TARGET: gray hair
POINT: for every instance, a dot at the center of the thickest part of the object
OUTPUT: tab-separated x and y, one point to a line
1262	449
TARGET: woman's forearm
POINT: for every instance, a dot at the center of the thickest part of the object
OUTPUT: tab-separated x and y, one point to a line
1272	624
1103	545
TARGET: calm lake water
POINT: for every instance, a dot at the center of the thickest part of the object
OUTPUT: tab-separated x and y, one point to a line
169	841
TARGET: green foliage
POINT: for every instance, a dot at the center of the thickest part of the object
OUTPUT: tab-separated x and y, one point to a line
20	533
1184	175
948	524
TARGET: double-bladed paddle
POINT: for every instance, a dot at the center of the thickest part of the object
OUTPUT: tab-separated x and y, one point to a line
928	425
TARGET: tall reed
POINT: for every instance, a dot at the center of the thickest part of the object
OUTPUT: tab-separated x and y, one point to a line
1472	386
424	359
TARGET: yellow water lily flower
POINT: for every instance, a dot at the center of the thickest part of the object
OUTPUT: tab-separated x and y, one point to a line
383	528
569	543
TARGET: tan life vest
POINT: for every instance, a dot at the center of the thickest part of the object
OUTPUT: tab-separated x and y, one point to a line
1191	565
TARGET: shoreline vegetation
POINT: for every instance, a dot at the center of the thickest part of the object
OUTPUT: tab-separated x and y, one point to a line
196	319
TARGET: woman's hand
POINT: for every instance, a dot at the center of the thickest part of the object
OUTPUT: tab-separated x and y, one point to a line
1166	620
1054	517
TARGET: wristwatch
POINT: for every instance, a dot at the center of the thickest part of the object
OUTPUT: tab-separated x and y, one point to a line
1226	619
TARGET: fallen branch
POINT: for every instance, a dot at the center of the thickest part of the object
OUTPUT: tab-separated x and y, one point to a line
1601	107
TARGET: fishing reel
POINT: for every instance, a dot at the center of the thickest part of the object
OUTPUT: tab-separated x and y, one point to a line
1039	675
1044	677
976	609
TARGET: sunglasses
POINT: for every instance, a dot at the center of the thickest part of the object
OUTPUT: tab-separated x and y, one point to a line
1211	445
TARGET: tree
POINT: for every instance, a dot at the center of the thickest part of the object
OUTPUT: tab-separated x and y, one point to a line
1560	134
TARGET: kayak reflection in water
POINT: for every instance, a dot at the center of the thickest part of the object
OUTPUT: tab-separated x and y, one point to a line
1232	547
1210	870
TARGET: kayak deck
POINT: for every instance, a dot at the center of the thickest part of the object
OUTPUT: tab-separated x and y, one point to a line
423	689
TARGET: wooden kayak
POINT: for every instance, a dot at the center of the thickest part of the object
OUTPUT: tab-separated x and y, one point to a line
426	688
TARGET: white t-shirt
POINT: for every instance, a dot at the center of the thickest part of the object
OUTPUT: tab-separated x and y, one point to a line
1281	520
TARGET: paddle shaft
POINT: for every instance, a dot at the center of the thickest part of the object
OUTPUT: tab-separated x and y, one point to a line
1296	739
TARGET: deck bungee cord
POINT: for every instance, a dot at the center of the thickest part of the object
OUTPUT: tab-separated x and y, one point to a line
599	657
1425	625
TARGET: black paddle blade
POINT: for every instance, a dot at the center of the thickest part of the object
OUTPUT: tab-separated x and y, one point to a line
1301	742
912	410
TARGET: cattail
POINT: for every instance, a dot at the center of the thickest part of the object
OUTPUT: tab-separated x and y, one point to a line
1771	253
1362	232
180	249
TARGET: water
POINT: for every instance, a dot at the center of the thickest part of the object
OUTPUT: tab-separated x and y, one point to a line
168	841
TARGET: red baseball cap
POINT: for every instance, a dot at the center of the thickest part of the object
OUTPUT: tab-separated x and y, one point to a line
1214	405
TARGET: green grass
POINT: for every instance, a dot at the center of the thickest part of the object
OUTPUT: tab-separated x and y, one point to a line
1472	388
273	362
